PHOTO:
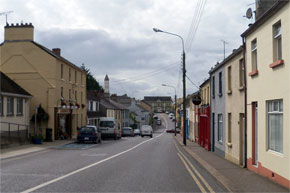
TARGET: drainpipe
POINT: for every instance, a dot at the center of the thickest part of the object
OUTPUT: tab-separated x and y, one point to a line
246	114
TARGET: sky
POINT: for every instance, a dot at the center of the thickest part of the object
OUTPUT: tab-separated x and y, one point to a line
115	37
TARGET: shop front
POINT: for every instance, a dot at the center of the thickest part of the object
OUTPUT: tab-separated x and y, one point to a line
63	123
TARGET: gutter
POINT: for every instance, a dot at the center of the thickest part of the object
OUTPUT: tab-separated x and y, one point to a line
246	114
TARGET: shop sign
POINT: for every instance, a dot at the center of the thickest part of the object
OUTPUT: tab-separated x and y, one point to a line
63	111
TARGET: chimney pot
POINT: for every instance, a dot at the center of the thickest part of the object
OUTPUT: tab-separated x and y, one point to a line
56	51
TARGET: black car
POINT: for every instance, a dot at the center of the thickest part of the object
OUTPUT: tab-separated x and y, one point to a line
89	133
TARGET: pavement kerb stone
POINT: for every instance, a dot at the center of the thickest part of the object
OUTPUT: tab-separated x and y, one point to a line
18	151
215	173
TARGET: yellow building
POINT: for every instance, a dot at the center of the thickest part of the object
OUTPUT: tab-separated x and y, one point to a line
55	83
267	51
235	107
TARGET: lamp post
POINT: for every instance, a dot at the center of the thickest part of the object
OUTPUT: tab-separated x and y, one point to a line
184	82
174	105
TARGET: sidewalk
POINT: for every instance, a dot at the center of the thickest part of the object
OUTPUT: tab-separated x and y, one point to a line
233	177
30	148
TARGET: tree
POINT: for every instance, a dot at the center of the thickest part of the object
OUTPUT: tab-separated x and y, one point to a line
92	83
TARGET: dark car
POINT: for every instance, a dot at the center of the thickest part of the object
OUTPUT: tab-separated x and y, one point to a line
89	133
172	131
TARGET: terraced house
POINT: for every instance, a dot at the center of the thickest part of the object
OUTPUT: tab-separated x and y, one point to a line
267	48
56	84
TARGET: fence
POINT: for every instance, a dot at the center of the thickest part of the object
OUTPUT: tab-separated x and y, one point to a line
12	133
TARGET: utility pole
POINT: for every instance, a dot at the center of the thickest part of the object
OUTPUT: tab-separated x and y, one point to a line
184	96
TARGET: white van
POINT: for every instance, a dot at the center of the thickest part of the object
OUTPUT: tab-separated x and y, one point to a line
146	130
109	128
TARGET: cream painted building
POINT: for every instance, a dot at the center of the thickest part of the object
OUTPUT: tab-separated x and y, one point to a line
268	94
235	107
55	83
193	119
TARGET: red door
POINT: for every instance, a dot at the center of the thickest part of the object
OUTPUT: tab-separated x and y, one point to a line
204	127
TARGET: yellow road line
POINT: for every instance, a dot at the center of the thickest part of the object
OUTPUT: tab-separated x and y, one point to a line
195	170
192	175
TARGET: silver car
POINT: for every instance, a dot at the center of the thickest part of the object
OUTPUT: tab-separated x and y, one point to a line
127	131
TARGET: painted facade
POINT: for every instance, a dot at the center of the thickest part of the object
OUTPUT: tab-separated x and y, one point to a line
217	85
268	97
235	107
55	83
159	103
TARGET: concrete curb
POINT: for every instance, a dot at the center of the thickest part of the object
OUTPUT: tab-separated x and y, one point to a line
215	173
28	150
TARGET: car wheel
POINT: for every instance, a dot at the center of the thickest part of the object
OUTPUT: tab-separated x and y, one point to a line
142	136
115	137
100	141
151	136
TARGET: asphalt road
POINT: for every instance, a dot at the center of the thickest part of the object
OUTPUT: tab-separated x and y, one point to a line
132	164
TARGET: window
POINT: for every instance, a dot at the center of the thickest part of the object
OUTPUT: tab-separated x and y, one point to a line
81	97
213	87
220	128
1	106
275	125
91	106
242	72
61	71
277	42
254	55
76	96
229	128
69	74
81	78
10	106
75	76
220	84
69	93
229	78
19	106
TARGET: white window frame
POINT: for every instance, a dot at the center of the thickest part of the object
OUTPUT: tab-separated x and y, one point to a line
19	106
220	128
254	55
10	106
274	107
277	41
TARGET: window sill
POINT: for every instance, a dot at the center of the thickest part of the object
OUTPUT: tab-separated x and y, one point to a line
254	73
276	63
9	115
229	92
220	94
242	88
19	115
275	153
230	145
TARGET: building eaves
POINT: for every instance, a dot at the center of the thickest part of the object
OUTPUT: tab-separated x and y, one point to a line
9	86
273	10
227	59
204	82
50	52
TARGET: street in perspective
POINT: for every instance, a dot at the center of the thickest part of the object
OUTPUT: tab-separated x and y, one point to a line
144	96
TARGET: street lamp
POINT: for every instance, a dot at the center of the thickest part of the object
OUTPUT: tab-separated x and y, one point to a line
174	105
184	82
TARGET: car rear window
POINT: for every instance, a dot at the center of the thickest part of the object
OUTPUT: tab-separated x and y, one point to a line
87	129
107	124
127	128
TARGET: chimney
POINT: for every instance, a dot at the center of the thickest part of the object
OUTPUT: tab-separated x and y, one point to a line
19	32
56	51
262	6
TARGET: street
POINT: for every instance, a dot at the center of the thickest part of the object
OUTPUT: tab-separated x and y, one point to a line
132	164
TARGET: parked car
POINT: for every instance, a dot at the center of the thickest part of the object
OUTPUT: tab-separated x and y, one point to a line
89	133
146	130
171	115
167	112
137	132
172	131
109	128
155	117
158	122
127	131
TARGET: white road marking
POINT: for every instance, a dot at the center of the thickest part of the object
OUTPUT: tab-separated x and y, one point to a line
86	167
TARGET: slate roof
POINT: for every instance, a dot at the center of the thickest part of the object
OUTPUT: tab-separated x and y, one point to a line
9	86
155	98
110	104
50	52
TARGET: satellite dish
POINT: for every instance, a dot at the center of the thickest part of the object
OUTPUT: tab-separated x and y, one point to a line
249	13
